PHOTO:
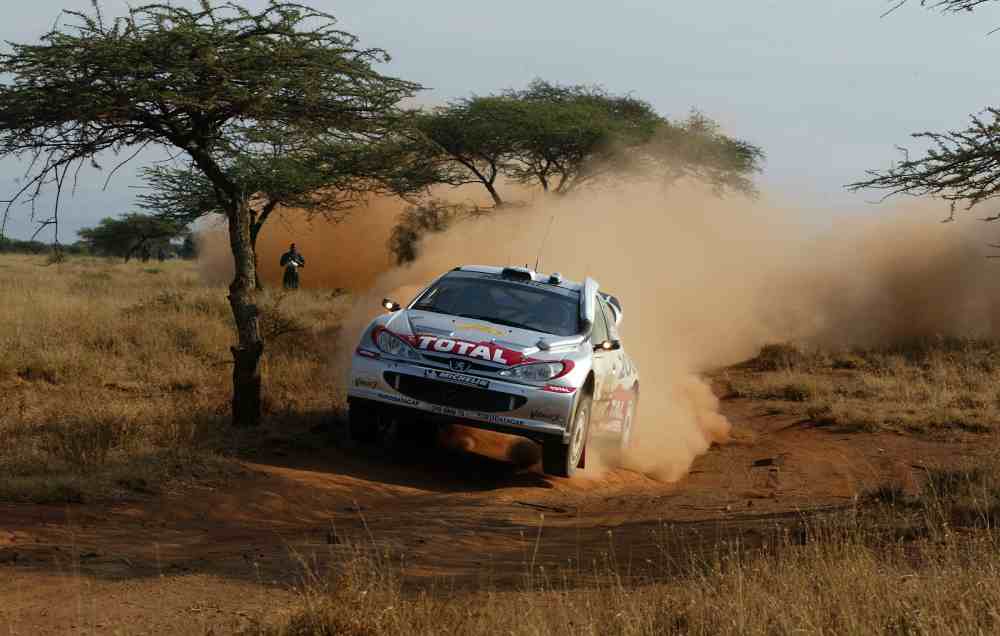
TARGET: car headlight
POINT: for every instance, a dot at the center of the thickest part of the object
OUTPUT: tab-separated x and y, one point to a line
391	344
538	372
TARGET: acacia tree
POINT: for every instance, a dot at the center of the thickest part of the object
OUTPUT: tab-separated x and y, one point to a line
945	6
565	137
696	148
573	135
470	141
200	82
131	234
961	166
315	176
577	135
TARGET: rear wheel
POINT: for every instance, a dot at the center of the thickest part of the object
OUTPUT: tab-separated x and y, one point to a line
561	459
627	439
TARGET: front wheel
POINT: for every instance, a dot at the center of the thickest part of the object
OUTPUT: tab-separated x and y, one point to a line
562	460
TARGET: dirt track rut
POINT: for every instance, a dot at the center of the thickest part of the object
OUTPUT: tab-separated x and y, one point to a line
192	559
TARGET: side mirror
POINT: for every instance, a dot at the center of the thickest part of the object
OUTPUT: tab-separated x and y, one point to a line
608	345
390	305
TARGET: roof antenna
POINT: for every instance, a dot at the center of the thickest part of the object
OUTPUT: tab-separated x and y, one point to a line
542	245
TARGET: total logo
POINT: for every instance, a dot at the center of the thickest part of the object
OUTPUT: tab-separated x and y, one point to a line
481	350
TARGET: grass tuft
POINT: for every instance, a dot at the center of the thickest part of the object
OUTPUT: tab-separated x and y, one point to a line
937	387
114	382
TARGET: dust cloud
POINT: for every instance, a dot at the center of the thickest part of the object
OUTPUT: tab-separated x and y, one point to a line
347	253
705	282
683	263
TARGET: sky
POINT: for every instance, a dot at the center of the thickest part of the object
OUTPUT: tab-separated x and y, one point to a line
828	88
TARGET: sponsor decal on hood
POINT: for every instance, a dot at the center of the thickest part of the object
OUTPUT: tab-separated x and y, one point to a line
488	351
469	326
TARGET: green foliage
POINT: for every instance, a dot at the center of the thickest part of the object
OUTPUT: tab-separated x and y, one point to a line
218	83
132	234
697	148
417	221
319	175
563	137
472	140
206	81
14	246
575	134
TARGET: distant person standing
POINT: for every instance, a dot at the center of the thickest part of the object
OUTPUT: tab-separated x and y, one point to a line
291	261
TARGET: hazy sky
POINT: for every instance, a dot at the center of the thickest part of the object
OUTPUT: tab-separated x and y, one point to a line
827	87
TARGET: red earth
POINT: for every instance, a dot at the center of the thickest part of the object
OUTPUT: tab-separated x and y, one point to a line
204	559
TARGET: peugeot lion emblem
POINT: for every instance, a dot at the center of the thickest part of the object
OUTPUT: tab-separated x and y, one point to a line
459	365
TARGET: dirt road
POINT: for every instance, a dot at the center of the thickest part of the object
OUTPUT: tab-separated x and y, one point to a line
205	558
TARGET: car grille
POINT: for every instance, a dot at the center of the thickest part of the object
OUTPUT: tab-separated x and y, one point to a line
473	367
454	395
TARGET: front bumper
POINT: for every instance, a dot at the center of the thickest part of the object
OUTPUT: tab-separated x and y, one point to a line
536	412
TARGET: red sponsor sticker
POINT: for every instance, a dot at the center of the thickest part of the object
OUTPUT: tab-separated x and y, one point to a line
488	351
555	388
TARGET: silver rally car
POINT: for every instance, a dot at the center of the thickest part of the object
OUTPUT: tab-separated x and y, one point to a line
504	349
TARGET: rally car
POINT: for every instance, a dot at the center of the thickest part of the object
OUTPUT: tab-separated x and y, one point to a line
506	349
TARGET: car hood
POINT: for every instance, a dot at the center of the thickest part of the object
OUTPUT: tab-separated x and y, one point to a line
434	332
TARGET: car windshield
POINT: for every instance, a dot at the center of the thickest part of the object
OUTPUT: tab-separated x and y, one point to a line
523	305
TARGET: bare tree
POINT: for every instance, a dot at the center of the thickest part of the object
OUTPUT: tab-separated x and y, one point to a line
945	6
961	166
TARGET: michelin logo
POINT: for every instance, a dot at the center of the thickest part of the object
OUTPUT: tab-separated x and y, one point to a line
457	378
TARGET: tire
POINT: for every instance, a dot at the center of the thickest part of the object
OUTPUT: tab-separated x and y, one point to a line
562	460
361	422
627	440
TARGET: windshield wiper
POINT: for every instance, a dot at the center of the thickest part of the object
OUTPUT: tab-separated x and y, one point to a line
429	308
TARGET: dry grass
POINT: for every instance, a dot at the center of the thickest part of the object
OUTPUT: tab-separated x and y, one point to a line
925	565
926	387
114	382
895	563
114	378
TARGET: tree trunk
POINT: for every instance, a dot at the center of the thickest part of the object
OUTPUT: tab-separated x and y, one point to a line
256	275
242	299
493	193
256	223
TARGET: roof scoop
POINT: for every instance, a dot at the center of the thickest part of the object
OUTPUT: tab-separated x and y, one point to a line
518	273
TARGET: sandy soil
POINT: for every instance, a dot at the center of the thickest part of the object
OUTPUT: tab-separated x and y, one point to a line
191	561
